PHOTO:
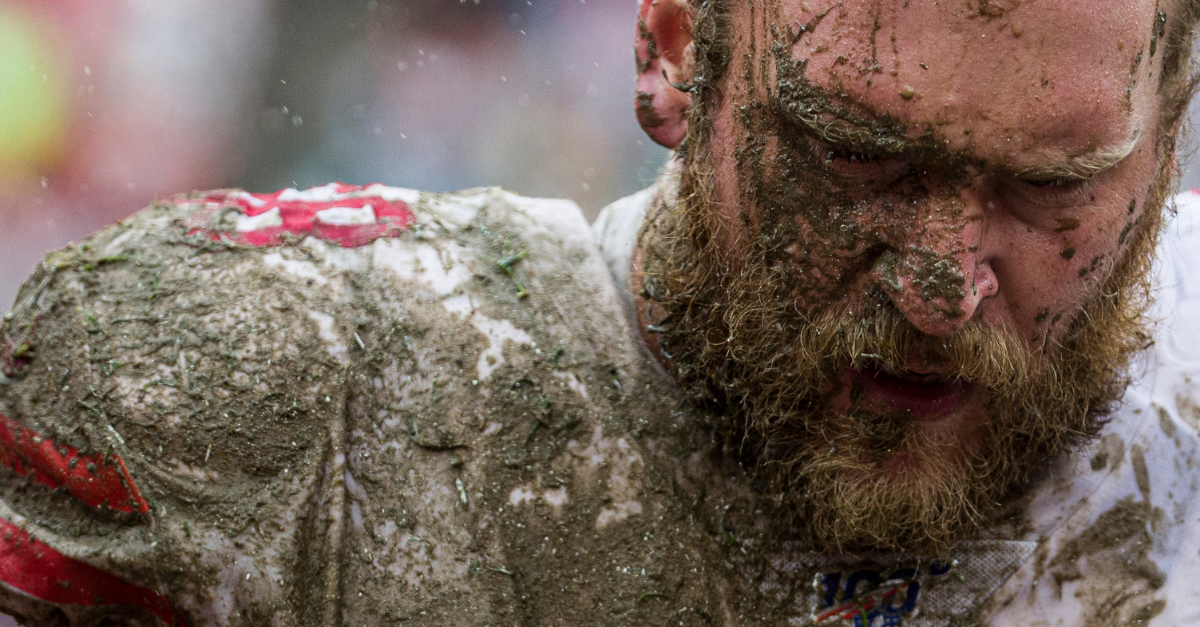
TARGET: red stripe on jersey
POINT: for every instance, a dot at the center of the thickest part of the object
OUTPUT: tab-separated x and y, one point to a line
96	481
39	571
302	218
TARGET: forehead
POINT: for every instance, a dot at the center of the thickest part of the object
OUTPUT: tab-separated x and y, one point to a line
1005	79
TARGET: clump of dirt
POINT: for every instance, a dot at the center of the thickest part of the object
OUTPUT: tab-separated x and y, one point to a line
1118	580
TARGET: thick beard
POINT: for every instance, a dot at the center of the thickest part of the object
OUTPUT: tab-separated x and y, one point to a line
761	373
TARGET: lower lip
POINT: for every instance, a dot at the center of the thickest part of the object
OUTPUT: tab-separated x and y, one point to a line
926	401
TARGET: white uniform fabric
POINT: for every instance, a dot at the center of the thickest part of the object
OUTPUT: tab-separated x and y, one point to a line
1112	536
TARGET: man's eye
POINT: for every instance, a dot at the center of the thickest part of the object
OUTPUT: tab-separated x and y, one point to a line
1058	183
851	157
1055	192
856	166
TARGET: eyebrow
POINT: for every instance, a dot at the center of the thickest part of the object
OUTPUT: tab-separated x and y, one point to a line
862	134
1079	166
859	135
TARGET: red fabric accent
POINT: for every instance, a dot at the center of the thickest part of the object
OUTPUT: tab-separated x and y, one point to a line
95	481
39	571
392	218
848	610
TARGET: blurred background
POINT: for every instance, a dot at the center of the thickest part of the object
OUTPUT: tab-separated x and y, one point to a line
106	106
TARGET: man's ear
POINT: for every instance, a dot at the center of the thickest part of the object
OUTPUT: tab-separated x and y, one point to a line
666	58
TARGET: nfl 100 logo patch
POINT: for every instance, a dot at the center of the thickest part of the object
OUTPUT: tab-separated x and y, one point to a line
871	597
892	589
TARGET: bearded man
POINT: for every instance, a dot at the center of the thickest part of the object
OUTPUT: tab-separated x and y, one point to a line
899	338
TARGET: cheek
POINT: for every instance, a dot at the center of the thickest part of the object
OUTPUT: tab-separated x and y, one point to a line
1092	249
817	238
730	209
1047	274
1049	263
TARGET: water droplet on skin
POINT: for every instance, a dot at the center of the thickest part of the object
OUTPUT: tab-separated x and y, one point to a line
907	93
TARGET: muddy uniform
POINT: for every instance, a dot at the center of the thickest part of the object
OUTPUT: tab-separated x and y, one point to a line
370	406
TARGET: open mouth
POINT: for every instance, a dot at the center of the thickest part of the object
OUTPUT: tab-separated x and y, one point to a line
924	395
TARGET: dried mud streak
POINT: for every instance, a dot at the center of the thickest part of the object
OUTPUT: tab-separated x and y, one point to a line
1118	580
1141	473
334	606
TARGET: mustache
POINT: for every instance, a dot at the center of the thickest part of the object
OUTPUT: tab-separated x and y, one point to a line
876	334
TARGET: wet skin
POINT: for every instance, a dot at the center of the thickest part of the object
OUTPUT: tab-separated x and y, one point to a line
986	166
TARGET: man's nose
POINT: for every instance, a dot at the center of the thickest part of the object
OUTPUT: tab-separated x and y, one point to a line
936	272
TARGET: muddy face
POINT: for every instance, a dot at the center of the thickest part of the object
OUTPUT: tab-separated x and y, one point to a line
971	162
907	263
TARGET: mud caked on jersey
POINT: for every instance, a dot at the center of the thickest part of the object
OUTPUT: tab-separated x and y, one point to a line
373	406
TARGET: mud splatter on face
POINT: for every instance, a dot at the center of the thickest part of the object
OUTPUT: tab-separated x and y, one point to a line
1066	224
799	156
757	331
651	47
993	9
1137	62
647	115
1159	30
